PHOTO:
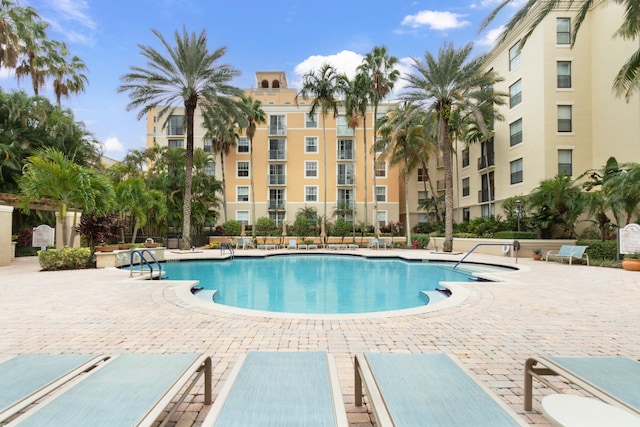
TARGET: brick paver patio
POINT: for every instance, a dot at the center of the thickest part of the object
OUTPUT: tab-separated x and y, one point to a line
546	308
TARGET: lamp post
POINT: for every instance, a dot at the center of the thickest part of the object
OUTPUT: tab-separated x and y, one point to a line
518	211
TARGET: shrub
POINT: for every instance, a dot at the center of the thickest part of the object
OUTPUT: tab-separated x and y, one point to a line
423	240
598	249
232	228
342	227
515	235
65	258
265	226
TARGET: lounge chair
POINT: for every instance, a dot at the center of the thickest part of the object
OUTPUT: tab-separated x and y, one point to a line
128	390
28	377
569	252
426	389
280	389
374	243
614	380
292	244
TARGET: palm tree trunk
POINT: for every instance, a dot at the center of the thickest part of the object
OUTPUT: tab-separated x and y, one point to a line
190	107
366	194
224	187
375	136
407	220
445	146
253	192
324	146
436	205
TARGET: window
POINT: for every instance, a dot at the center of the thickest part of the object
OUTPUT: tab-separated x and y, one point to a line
210	168
342	126
515	94
176	143
422	175
345	174
565	162
423	218
311	120
243	144
277	125
382	218
277	174
310	193
345	149
242	169
564	74
381	194
466	214
465	187
276	199
175	125
242	216
277	149
465	157
514	56
311	169
515	132
516	171
381	169
311	144
345	197
564	118
563	31
207	146
422	197
242	194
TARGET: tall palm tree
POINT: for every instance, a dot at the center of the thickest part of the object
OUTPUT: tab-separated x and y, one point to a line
380	67
356	102
444	83
323	87
402	132
16	26
627	81
189	75
67	74
255	116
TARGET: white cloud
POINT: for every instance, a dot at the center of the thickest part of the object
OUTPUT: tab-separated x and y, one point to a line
71	18
490	37
344	62
112	144
435	20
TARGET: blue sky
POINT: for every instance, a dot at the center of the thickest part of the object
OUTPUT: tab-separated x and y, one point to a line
292	36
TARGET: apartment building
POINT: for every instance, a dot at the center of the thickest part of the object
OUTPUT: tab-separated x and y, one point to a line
561	115
289	161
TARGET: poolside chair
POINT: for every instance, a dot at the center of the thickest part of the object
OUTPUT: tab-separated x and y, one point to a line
426	390
280	389
614	380
292	244
26	378
569	252
128	390
374	243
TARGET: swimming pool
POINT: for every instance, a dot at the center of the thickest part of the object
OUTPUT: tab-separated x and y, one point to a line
317	284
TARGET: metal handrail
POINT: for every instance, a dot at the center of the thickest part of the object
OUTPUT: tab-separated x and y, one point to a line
144	261
515	245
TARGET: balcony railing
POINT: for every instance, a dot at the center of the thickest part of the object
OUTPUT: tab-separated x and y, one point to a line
277	204
277	179
344	130
278	154
344	179
483	196
278	130
485	161
345	154
344	204
175	130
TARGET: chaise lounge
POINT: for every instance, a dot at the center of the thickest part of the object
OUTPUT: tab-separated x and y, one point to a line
426	389
569	252
614	380
280	389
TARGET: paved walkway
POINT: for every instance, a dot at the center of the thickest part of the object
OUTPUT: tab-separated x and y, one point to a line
546	308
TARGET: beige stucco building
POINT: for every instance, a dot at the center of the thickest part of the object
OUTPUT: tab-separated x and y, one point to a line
288	161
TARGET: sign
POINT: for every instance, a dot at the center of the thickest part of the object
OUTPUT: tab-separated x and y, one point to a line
629	239
43	236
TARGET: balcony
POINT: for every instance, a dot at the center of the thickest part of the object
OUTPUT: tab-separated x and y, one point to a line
344	130
277	204
483	196
345	154
278	130
344	205
277	155
345	179
485	161
277	179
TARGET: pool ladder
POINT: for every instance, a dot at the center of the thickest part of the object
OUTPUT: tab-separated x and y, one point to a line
515	245
144	261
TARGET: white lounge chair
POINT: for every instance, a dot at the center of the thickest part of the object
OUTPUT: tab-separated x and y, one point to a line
292	244
569	252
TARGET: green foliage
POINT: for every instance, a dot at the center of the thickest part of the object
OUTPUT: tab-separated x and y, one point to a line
232	228
213	245
265	226
486	226
303	226
65	258
556	205
342	228
598	249
423	240
100	229
512	235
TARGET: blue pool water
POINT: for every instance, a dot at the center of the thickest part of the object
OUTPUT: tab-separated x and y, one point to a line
316	283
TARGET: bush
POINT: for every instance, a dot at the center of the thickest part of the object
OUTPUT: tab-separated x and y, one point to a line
597	249
342	227
423	240
65	259
265	226
232	228
513	235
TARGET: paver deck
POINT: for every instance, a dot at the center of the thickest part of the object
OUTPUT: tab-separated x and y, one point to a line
546	308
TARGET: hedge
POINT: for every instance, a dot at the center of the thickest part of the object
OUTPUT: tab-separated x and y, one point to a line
65	258
597	249
513	235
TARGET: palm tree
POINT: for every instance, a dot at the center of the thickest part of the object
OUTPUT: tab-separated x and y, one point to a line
445	83
67	75
255	116
356	102
402	132
133	198
627	81
379	67
188	75
16	27
558	203
323	87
